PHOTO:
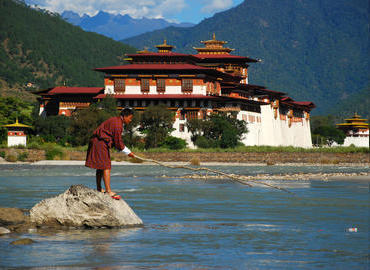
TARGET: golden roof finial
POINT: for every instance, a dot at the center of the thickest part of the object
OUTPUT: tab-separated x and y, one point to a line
214	36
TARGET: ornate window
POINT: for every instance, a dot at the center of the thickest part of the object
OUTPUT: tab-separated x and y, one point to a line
182	128
119	85
187	85
145	85
161	85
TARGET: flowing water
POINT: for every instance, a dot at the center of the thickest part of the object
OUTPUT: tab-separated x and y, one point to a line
197	224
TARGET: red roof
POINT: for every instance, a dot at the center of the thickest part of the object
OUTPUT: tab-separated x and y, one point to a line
290	101
75	90
305	103
154	67
158	96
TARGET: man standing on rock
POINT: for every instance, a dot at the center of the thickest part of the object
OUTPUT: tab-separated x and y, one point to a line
107	135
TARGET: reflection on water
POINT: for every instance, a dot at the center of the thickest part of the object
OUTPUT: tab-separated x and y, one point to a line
195	224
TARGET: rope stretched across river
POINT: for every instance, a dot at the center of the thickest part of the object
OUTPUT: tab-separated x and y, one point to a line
233	177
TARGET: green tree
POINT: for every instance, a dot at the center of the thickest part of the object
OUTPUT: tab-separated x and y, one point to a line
156	123
220	130
330	134
53	128
130	136
85	121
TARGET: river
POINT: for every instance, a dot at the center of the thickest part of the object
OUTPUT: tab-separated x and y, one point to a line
198	224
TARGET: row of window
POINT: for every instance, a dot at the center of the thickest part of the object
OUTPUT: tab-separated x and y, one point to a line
120	85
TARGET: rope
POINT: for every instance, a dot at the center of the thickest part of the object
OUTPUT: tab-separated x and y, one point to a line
230	176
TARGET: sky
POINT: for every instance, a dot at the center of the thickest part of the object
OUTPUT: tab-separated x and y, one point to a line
192	11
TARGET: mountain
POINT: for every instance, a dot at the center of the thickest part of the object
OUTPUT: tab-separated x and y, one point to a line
357	103
312	49
42	50
118	26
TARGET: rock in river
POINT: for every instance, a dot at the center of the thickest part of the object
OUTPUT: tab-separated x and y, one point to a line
80	206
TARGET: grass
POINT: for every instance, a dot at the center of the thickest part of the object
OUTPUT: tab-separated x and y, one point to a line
262	149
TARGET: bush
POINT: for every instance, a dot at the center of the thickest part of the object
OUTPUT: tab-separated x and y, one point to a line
11	158
23	156
2	154
174	143
203	142
52	151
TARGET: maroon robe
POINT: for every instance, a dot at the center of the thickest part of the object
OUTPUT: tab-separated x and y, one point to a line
107	135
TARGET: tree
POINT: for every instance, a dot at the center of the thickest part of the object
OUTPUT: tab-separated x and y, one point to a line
330	134
156	123
218	130
85	121
53	128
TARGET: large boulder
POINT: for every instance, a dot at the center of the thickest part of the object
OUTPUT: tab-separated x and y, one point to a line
80	206
11	216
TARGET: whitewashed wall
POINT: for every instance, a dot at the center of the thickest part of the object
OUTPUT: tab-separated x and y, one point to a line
357	141
276	132
17	140
173	90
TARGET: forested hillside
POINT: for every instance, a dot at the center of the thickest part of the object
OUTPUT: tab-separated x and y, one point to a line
358	102
314	50
41	48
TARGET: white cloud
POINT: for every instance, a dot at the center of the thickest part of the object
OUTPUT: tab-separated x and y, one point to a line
135	8
212	6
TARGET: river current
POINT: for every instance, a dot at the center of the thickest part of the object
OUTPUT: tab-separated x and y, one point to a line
198	224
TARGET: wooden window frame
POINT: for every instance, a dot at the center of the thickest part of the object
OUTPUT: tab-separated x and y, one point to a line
119	85
187	85
161	85
145	85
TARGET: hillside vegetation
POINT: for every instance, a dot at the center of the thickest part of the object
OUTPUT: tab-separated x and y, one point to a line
41	48
314	50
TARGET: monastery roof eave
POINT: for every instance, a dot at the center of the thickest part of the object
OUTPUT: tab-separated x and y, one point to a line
366	125
157	96
70	90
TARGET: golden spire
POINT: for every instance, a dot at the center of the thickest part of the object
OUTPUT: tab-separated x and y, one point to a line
164	48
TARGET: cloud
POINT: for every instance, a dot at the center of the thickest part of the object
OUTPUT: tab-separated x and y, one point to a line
212	6
136	8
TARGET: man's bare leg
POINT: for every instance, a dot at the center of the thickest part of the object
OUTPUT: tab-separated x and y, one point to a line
99	175
106	177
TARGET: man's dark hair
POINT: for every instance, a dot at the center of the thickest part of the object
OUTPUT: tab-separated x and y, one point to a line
127	112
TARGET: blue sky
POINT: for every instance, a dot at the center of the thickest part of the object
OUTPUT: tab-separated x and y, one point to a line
174	10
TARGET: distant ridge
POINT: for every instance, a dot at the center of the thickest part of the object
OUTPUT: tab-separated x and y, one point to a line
314	50
118	26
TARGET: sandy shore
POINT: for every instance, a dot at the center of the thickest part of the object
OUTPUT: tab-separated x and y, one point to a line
181	163
360	176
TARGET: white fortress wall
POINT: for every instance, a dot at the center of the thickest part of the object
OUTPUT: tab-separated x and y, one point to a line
254	128
357	141
276	132
272	130
185	135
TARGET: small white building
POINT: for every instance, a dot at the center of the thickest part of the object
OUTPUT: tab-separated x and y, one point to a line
356	130
17	134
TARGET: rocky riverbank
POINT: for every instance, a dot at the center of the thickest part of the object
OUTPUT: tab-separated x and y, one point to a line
269	158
